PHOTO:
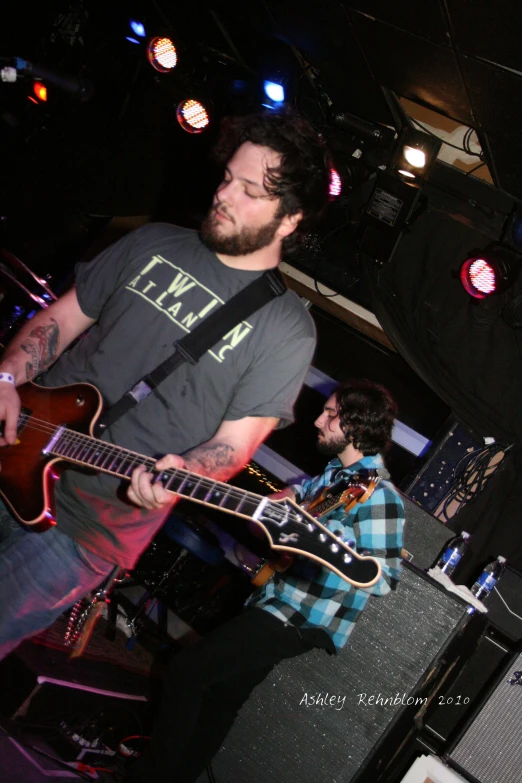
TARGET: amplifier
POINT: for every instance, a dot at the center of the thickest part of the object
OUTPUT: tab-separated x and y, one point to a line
490	748
459	700
504	605
320	718
424	535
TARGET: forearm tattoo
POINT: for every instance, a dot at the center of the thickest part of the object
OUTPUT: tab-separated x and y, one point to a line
42	347
217	460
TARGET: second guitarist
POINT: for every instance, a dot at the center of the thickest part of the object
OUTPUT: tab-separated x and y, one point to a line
303	607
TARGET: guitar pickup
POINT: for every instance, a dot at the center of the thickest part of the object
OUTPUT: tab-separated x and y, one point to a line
25	413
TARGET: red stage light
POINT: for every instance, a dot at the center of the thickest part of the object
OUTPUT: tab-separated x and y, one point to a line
192	116
162	54
336	184
40	90
478	278
491	271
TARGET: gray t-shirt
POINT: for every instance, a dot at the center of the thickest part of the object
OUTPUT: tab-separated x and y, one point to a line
146	291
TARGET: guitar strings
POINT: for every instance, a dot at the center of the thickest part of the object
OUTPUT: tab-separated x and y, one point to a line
74	438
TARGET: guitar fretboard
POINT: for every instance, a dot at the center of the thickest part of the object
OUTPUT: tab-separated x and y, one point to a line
118	461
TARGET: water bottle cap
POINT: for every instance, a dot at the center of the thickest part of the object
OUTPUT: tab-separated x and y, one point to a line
465	535
501	559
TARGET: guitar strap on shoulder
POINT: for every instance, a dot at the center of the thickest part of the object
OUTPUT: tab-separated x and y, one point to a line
192	347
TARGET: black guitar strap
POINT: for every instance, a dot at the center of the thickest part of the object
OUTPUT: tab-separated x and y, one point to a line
192	347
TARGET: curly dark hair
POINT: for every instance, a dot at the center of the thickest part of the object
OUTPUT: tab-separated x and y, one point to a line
301	180
366	413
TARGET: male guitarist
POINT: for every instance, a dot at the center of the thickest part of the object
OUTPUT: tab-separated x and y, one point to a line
136	299
303	607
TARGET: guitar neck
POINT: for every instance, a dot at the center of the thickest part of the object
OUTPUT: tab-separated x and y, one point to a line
287	526
120	462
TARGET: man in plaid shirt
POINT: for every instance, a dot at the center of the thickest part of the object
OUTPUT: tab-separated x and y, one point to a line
301	608
311	597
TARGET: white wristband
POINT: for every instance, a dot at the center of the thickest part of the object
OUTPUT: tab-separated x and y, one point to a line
6	377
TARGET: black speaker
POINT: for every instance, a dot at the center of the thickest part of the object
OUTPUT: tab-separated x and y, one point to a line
490	749
504	604
424	534
321	718
458	701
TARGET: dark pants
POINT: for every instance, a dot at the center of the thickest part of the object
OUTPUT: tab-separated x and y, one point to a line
206	684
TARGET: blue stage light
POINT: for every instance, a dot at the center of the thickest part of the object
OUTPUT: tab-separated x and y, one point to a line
274	91
132	40
137	28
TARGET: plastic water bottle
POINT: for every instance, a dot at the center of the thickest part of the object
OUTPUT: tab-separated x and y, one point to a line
452	555
488	578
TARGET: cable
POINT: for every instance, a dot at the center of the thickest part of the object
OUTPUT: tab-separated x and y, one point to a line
126	739
447	143
210	774
506	604
466	141
474	169
476	472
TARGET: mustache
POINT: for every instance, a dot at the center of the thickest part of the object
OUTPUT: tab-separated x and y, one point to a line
218	208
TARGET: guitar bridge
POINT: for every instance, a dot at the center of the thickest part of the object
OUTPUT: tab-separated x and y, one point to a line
22	418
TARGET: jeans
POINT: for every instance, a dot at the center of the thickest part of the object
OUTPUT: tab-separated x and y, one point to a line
205	686
41	576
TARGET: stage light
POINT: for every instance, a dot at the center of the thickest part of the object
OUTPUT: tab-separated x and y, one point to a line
336	184
414	156
490	271
162	54
132	40
137	28
192	116
274	91
40	90
478	277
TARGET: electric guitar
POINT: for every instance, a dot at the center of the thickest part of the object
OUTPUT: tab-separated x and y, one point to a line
58	424
347	493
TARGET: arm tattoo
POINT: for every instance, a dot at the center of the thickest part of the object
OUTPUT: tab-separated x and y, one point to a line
217	460
42	346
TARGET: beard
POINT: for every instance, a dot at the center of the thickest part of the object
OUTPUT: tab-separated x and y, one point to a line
243	242
331	447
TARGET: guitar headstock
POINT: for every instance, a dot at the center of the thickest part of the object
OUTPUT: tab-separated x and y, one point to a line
346	491
359	483
289	528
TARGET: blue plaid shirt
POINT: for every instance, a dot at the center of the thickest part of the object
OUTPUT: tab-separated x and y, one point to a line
309	596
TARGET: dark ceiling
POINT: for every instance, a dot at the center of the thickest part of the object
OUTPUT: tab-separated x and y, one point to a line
460	58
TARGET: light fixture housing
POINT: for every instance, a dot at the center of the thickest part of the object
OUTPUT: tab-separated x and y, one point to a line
193	115
490	271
